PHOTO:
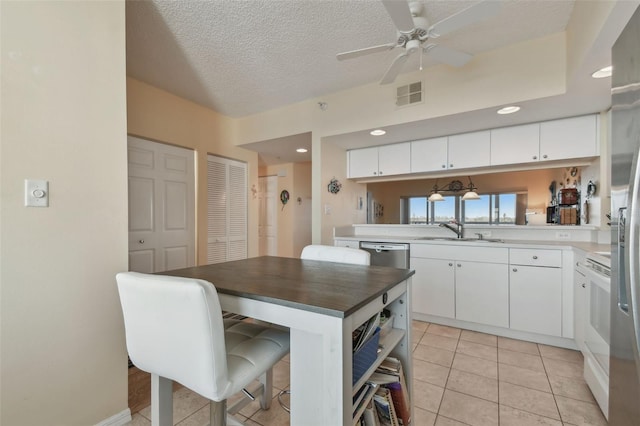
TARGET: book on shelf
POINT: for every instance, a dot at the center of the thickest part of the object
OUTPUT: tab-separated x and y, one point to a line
361	397
383	378
384	407
370	415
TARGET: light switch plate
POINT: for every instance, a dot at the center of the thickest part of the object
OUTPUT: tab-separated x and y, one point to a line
36	193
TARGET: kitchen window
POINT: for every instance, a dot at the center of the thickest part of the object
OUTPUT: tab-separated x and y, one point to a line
494	209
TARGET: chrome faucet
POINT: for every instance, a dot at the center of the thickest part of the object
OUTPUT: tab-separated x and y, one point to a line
459	227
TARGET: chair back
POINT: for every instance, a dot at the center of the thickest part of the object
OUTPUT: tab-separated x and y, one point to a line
336	254
174	329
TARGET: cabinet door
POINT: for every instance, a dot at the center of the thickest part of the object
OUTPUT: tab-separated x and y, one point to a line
515	145
433	289
536	299
429	155
569	138
469	150
580	308
363	162
394	159
346	243
482	293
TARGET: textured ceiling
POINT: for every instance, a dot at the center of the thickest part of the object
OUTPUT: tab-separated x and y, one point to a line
243	57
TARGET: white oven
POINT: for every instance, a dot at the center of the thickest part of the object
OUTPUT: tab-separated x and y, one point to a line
597	271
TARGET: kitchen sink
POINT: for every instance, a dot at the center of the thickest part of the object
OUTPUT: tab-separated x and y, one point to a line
475	240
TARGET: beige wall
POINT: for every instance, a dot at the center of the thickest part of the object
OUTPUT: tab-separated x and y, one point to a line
339	209
160	116
63	356
302	224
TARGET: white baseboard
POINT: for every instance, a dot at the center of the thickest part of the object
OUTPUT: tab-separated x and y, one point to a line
119	419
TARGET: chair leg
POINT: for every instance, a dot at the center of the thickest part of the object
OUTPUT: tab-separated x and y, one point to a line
267	392
161	401
218	413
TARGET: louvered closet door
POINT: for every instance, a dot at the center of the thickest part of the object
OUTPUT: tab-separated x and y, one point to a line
227	210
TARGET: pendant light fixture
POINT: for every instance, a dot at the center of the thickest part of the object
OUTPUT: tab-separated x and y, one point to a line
454	186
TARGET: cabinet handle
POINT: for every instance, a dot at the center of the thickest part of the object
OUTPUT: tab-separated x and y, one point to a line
450	165
380	173
444	166
515	269
141	241
584	285
544	156
459	265
535	157
535	257
450	264
375	173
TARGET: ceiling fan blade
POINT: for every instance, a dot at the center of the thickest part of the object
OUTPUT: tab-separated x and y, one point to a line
367	50
400	14
468	16
394	68
447	56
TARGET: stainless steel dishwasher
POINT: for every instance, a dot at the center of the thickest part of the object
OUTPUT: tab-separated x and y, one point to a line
395	255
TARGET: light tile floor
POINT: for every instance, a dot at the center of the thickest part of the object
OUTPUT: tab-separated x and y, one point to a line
460	377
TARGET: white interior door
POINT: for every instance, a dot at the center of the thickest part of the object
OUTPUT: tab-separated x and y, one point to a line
161	206
268	224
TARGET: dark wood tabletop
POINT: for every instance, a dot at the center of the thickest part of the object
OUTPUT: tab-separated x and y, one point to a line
335	289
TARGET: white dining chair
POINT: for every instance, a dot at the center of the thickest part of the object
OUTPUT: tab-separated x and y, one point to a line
336	254
175	331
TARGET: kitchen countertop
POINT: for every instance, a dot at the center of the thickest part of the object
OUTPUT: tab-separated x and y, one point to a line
583	246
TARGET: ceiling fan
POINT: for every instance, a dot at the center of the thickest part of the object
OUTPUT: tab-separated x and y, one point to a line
415	34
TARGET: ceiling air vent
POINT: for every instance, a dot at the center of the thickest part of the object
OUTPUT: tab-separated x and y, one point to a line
409	94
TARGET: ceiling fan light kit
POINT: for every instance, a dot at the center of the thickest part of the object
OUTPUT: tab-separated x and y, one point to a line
415	34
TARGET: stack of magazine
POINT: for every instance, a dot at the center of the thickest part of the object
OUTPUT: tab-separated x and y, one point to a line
365	331
390	405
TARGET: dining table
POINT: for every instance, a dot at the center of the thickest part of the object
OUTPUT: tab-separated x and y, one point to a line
321	303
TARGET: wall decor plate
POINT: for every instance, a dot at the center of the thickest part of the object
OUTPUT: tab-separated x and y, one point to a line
334	186
284	197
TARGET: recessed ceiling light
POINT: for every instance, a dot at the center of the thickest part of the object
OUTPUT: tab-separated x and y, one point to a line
603	72
509	109
301	150
378	132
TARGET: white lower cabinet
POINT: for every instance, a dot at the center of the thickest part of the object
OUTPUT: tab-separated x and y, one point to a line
463	283
433	287
482	293
536	291
580	304
536	299
346	243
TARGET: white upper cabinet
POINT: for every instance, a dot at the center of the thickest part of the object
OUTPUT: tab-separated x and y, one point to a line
556	140
429	155
363	162
469	150
380	161
514	145
569	138
394	159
